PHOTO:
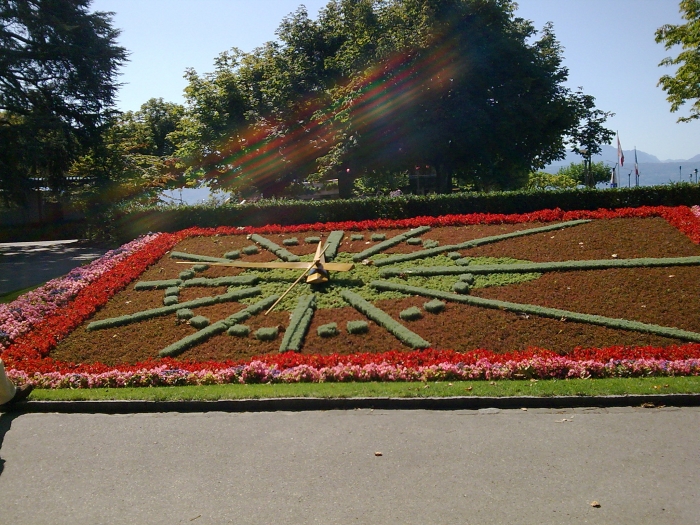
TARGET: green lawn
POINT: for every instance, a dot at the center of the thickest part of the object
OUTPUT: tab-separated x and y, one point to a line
8	297
573	387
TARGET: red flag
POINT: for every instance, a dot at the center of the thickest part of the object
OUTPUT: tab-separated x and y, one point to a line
620	155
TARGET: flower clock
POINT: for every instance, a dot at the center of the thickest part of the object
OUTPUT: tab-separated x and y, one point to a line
450	297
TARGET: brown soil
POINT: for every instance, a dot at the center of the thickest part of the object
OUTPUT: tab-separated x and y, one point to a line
665	296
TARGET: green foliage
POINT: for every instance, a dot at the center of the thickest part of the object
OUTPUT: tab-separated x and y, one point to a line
292	241
434	307
397	239
267	333
186	274
454	255
184	313
299	324
130	224
165	310
430	243
592	264
58	81
357	327
200	267
376	237
467	278
170	300
239	330
357	237
234	254
199	321
380	317
198	258
280	252
229	280
250	250
312	240
461	287
327	330
552	313
683	86
542	180
157	285
333	242
414	241
380	182
411	314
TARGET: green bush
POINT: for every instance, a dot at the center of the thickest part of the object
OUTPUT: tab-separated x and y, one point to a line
172	291
389	243
333	242
299	323
429	243
413	241
239	330
251	250
200	321
184	313
200	267
267	333
157	285
270	246
312	240
411	314
170	300
461	287
454	255
358	327
234	254
467	278
434	307
327	330
292	241
357	237
376	237
186	274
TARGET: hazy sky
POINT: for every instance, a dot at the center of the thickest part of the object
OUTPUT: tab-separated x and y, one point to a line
609	49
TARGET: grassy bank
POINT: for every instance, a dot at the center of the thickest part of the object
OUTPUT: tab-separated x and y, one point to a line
572	387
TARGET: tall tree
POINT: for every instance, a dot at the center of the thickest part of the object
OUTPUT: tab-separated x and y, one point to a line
58	67
684	86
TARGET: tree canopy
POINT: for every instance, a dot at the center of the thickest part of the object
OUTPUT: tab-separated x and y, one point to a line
58	67
684	86
462	86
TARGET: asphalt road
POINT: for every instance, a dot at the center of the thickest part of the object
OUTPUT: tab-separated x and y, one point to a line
464	467
25	264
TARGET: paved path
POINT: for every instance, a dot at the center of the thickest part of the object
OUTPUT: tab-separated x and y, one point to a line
25	264
464	467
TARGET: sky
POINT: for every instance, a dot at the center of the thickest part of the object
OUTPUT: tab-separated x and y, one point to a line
609	49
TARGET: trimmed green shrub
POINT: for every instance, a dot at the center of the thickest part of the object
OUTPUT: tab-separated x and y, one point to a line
434	307
233	254
239	330
200	267
414	241
250	311
454	255
267	333
186	274
270	246
292	241
411	314
461	287
165	310
172	291
333	242
312	240
357	237
467	278
299	324
553	313
327	330
358	327
383	319
376	237
251	250
474	242
157	285
170	300
464	261
196	258
184	313
389	243
599	264
200	321
429	243
229	280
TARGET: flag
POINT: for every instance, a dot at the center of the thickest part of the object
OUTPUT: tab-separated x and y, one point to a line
620	155
636	165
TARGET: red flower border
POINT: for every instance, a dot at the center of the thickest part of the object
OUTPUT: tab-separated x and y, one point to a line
30	352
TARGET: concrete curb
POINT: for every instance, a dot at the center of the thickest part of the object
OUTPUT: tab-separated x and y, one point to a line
297	404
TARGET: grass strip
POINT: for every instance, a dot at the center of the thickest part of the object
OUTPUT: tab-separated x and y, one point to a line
503	388
333	242
280	252
165	310
157	285
559	266
384	245
299	324
473	243
10	296
197	258
384	320
235	280
553	313
219	327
